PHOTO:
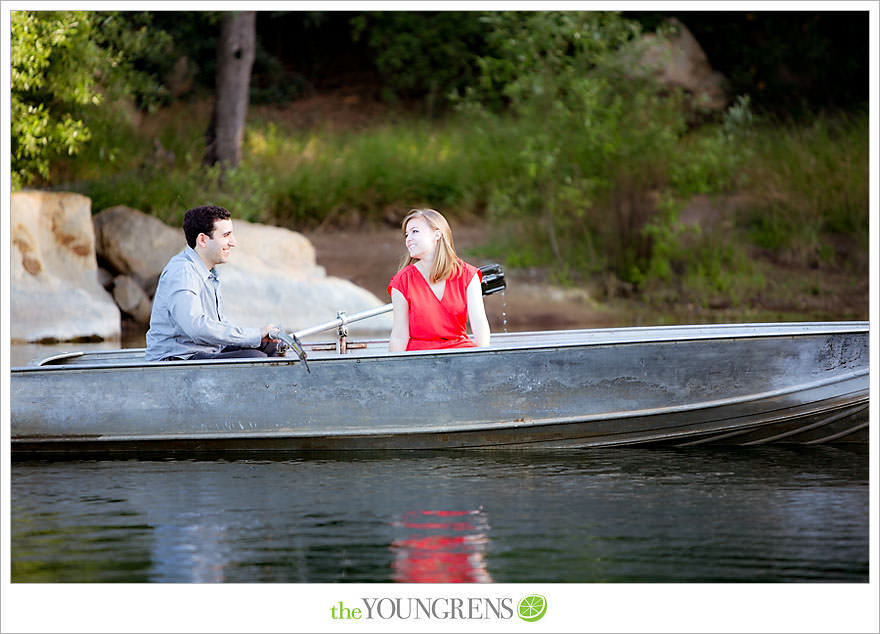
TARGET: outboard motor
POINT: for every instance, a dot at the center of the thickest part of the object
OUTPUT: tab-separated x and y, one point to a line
493	279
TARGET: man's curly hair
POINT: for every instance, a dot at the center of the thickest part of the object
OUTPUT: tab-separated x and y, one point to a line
201	220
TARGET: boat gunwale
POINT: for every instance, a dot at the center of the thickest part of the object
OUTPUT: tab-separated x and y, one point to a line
782	329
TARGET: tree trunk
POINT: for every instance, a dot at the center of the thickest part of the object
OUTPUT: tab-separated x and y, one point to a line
235	57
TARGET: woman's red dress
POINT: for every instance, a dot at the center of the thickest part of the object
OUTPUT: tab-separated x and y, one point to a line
436	323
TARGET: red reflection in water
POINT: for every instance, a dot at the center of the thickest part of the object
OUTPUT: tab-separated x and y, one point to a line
441	547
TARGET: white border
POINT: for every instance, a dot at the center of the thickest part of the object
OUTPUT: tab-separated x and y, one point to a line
305	607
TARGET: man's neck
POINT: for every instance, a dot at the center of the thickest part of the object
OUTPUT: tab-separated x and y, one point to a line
208	265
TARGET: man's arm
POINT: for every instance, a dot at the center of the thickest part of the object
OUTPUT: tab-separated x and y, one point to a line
187	312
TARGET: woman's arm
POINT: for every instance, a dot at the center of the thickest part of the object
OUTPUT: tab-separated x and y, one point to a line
477	312
400	323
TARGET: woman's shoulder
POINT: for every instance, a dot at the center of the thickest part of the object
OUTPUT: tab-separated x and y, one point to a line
400	280
405	272
467	271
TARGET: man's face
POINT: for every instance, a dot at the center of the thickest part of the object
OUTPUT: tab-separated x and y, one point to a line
216	247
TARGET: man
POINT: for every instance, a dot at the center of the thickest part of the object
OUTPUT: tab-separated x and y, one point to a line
187	318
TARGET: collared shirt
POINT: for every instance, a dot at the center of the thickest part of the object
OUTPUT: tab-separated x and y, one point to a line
187	314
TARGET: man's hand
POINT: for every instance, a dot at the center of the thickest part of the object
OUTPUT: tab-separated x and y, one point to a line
264	333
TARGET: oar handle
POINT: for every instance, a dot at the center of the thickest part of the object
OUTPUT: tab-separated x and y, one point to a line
493	282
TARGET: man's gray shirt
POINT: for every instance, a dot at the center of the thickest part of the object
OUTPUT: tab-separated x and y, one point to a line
187	316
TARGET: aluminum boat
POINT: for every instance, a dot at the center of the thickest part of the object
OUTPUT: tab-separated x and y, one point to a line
738	384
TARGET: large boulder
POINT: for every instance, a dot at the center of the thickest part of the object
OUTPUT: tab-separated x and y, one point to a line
134	244
675	59
132	299
55	293
266	249
271	277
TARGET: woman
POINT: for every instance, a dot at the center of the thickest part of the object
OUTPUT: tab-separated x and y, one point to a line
435	293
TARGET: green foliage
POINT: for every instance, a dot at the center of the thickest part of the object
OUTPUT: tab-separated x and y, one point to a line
371	174
190	38
430	54
544	58
65	65
693	266
709	159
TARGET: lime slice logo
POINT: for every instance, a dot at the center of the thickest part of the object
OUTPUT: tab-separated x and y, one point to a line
532	607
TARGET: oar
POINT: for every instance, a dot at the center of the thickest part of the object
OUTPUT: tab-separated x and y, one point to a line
493	282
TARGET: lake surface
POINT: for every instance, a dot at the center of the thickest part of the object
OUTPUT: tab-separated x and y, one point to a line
762	514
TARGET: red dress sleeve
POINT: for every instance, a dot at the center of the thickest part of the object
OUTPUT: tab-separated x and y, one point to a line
436	323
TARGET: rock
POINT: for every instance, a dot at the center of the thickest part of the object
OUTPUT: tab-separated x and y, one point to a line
266	248
105	279
135	244
132	299
55	292
677	60
293	304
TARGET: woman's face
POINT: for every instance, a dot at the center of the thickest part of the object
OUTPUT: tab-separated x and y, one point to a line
421	240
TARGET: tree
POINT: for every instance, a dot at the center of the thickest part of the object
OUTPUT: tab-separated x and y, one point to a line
48	85
64	66
235	58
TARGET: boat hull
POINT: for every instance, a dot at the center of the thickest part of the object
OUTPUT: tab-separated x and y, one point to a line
690	385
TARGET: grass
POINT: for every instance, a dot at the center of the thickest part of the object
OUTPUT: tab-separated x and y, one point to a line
810	182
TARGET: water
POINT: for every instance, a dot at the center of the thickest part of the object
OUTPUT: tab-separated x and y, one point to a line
503	311
764	514
21	354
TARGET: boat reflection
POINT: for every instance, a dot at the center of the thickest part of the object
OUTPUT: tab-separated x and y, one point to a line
441	547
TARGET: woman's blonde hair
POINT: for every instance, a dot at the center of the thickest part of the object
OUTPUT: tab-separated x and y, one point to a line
446	262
